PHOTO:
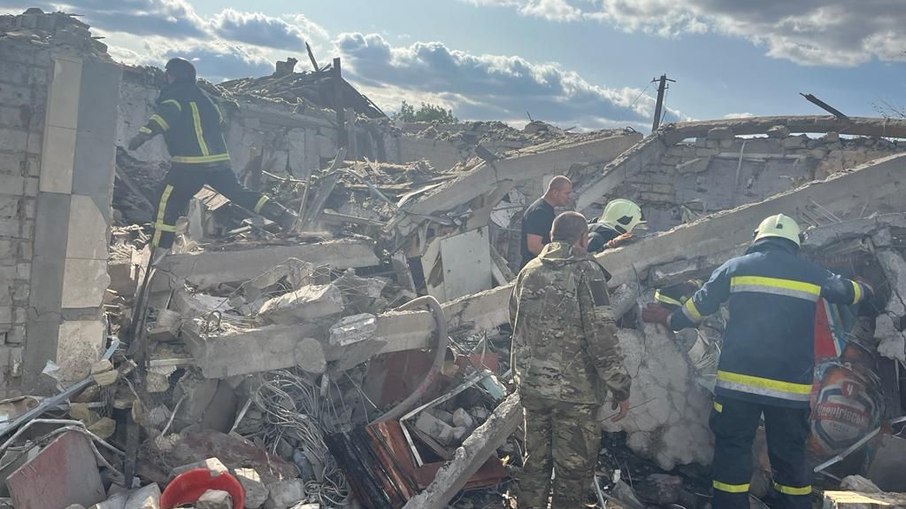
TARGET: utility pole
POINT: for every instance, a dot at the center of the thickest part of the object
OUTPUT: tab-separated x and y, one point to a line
661	90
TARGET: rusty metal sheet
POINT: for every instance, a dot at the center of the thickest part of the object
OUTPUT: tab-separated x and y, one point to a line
63	473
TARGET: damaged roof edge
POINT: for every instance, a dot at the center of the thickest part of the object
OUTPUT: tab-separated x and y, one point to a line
655	144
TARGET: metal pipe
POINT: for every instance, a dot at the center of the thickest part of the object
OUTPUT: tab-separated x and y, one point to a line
439	355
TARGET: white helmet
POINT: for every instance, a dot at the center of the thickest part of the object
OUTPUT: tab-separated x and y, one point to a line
622	215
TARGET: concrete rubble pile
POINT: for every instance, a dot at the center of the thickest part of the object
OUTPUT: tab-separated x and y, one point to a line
363	359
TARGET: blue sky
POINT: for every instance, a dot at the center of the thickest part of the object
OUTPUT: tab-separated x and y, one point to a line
580	63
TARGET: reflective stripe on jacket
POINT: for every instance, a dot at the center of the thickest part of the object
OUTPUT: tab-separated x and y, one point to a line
768	349
191	124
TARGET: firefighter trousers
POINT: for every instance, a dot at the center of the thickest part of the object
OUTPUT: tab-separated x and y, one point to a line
734	423
184	180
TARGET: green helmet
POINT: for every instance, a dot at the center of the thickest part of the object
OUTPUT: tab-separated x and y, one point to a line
780	226
622	215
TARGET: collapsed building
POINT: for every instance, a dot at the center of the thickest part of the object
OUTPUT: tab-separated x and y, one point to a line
364	360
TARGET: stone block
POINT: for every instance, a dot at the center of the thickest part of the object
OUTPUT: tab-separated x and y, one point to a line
16	335
87	230
144	498
12	185
306	304
831	137
10	205
11	163
285	494
720	133
16	117
353	329
697	165
99	99
778	131
435	428
461	418
14	95
256	492
22	53
58	156
214	499
93	167
853	500
655	197
84	283
214	465
79	345
9	250
64	95
795	142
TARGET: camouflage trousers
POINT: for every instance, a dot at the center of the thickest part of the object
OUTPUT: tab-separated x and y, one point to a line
563	438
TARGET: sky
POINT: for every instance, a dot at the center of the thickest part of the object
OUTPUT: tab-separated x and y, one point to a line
574	63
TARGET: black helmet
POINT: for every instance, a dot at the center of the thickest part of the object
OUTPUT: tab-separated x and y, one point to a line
181	70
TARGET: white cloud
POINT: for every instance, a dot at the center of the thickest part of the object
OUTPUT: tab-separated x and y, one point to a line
235	44
491	86
739	115
808	32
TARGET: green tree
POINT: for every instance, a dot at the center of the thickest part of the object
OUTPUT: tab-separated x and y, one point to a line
425	113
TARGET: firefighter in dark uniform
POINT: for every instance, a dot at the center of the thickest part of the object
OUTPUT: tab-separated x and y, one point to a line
192	127
767	363
614	227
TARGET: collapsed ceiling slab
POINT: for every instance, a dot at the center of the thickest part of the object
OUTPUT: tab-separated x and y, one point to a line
653	147
875	187
241	263
534	163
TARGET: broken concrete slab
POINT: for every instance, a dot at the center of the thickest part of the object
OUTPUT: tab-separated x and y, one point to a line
213	465
214	499
147	497
434	428
470	456
261	349
873	187
210	268
285	494
303	305
533	163
853	500
653	147
256	492
892	340
887	466
668	422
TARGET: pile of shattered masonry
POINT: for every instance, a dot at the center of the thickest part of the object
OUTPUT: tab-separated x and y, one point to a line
240	373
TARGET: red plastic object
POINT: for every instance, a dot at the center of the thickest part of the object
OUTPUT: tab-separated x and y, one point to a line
188	486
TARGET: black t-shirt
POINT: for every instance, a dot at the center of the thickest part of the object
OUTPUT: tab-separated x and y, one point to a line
599	234
536	220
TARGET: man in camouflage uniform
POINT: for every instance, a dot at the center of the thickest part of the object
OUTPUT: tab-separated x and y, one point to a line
565	356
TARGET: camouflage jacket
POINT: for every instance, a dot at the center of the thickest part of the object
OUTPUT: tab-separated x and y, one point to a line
564	337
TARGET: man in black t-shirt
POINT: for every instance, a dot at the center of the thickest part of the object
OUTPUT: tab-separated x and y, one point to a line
539	217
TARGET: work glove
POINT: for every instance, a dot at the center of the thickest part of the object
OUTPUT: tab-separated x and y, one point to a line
138	140
655	313
619	240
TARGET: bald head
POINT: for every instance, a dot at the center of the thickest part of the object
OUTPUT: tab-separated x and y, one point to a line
570	227
559	191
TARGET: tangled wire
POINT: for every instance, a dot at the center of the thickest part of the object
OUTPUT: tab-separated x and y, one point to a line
295	409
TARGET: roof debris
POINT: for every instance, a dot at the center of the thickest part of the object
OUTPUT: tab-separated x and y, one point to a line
302	370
